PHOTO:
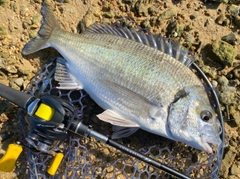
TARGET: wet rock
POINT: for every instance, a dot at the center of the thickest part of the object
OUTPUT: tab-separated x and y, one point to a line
168	14
231	39
227	162
223	52
235	169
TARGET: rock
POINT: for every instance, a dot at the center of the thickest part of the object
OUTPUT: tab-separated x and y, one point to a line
227	162
168	14
227	93
142	9
235	169
237	20
3	31
223	52
11	69
25	67
19	82
231	39
235	112
221	19
214	83
210	71
236	73
233	9
3	3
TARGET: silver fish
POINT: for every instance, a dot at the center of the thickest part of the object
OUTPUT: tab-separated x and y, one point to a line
136	84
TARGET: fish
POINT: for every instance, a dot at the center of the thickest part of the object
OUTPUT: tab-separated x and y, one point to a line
139	80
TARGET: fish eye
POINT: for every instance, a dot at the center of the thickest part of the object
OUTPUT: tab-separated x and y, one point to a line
206	115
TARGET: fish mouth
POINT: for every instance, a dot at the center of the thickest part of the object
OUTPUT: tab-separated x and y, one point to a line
207	147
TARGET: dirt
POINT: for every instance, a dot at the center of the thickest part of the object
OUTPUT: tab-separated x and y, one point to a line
193	23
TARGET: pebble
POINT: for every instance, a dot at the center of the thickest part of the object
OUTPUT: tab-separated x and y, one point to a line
110	169
231	39
236	73
235	112
235	170
11	69
214	83
168	14
227	93
233	9
19	82
220	19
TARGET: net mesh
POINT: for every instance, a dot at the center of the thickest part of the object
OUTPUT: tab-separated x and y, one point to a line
90	158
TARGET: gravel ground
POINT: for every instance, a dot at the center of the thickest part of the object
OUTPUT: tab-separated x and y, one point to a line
210	29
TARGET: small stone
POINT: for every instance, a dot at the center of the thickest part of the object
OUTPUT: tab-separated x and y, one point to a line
168	14
220	19
3	31
230	38
34	26
192	17
223	52
237	20
236	73
11	69
235	170
214	83
235	113
142	9
233	9
227	162
110	169
3	3
106	151
19	82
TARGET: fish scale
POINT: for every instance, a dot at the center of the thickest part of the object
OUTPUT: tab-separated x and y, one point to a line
138	84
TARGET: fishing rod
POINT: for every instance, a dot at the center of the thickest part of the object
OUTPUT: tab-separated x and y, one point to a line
50	119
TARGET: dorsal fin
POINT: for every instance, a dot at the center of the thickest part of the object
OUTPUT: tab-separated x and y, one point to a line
163	44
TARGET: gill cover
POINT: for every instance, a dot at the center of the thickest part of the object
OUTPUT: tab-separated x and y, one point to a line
185	123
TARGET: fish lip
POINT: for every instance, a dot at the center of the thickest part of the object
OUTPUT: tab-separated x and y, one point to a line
207	147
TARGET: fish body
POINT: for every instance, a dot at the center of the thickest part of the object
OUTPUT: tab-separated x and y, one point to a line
137	85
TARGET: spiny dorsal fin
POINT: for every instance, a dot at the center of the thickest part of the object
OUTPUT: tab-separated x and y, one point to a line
163	44
62	75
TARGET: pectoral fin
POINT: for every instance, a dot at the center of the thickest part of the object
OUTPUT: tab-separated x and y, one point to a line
64	78
115	119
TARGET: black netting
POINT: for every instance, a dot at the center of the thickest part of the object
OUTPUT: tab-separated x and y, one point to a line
89	158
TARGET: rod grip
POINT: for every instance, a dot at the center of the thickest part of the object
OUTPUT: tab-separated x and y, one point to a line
17	97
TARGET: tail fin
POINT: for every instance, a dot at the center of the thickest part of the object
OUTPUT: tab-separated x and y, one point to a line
49	25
